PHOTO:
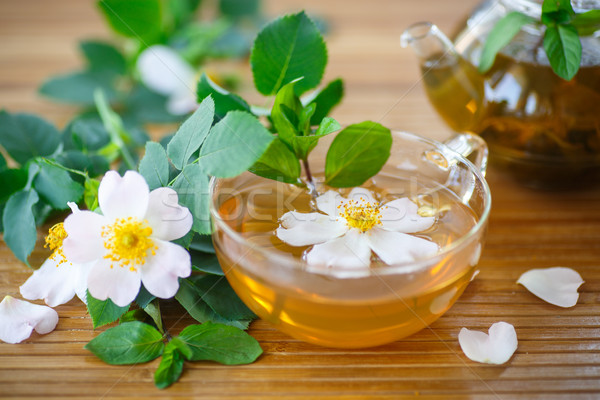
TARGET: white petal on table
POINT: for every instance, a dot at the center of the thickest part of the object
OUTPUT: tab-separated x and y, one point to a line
303	229
19	318
495	347
396	247
349	251
401	215
556	285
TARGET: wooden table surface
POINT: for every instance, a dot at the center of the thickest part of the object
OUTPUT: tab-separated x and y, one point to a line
559	349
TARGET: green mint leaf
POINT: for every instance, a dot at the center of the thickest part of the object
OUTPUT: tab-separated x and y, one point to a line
19	223
563	48
328	125
221	343
224	101
3	164
129	343
154	166
234	144
26	136
181	11
218	294
90	193
239	8
327	99
500	35
303	145
278	163
286	49
103	57
191	134
11	180
357	153
202	243
550	6
139	19
170	367
55	186
206	262
103	312
183	348
286	108
134	315
587	23
305	117
153	310
79	87
191	186
191	299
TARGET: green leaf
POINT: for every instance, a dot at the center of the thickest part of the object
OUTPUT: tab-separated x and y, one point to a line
19	223
154	166
206	262
278	163
500	35
153	310
587	23
93	164
191	134
234	144
56	187
85	133
134	315
103	57
170	367
3	164
286	49
239	8
11	180
191	186
327	99
286	108
563	48
221	343
26	136
328	125
142	106
129	343
79	87
139	19
103	312
144	297
183	348
218	294
224	101
305	117
357	153
90	193
181	11
550	6
203	243
191	299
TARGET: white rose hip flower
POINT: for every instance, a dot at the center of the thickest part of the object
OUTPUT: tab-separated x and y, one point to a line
129	243
19	318
348	230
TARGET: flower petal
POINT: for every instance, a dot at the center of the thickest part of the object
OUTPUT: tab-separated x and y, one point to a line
329	202
84	241
396	247
348	251
496	347
120	284
121	197
19	318
303	229
161	272
55	281
182	102
557	285
360	194
401	215
169	220
165	71
441	303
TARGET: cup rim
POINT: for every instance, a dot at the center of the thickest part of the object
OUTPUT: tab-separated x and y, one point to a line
399	268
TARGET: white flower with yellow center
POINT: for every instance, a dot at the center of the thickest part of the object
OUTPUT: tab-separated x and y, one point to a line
129	243
349	230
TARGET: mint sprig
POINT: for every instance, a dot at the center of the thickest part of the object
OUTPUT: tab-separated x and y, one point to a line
561	40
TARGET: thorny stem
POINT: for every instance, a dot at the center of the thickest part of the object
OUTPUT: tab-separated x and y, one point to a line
310	182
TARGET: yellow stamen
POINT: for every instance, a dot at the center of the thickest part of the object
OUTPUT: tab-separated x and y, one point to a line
362	215
54	242
128	242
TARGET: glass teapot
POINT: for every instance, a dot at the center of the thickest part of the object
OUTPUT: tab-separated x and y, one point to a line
543	129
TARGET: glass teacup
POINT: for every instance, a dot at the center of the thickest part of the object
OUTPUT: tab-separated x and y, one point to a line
346	307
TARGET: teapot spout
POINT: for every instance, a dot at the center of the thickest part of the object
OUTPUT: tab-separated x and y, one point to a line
427	41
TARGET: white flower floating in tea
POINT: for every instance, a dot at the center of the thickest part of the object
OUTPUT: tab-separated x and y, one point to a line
19	318
58	280
495	347
348	230
557	285
129	243
166	72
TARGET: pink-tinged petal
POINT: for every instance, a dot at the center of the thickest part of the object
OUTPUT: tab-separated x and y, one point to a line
303	229
396	247
122	197
168	220
54	282
330	203
19	318
348	251
120	284
400	215
161	272
557	285
84	241
362	195
495	347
